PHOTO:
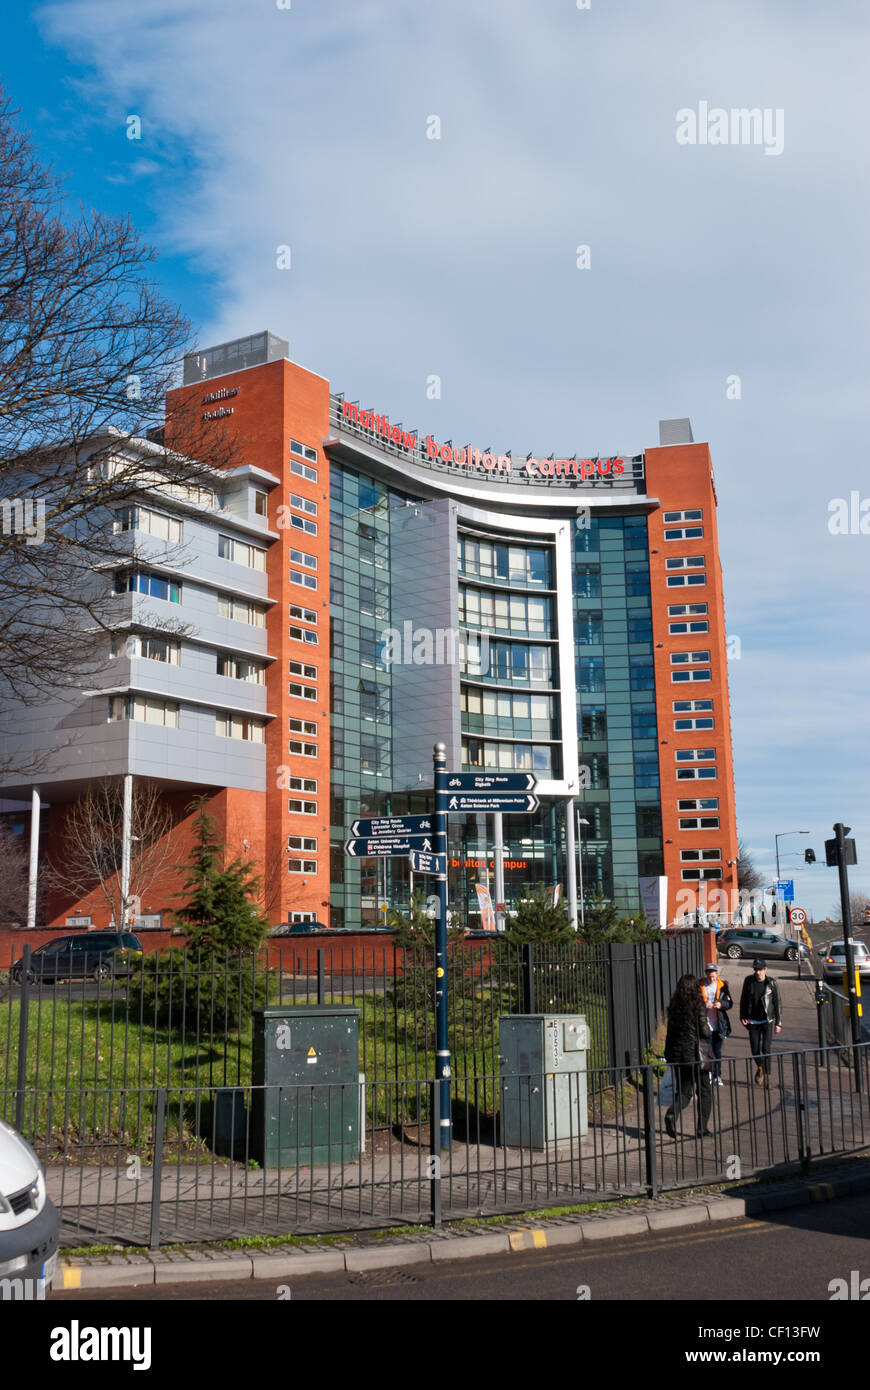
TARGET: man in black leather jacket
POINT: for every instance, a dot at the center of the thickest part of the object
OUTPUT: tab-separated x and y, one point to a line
760	1012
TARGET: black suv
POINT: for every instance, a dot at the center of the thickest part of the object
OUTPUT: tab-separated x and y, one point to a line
97	955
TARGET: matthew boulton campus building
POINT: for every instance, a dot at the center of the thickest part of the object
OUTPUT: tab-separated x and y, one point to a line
357	590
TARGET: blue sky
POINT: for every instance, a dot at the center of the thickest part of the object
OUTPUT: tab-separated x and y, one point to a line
306	126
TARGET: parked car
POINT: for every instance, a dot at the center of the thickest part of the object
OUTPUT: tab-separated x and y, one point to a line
834	961
756	941
98	955
29	1221
298	929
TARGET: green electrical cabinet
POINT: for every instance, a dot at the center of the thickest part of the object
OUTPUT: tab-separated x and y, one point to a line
306	1085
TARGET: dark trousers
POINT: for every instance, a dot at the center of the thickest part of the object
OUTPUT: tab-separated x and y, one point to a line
716	1042
686	1080
759	1044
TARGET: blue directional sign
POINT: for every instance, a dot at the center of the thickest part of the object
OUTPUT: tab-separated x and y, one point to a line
784	888
427	863
474	801
387	847
490	782
392	826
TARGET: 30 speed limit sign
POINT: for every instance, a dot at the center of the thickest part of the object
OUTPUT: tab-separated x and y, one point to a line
798	916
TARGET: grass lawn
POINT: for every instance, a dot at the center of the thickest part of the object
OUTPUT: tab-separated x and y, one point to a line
94	1065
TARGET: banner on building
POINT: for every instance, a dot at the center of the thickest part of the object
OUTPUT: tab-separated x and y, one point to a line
487	911
654	900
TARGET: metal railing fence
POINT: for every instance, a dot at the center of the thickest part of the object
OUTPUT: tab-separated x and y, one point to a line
149	1166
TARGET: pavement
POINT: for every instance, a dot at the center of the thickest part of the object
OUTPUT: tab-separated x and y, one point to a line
366	1250
828	1179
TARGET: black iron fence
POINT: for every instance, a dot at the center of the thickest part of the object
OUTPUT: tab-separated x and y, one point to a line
183	1017
148	1166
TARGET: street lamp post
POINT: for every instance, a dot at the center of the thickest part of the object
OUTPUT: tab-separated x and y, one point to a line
581	821
781	836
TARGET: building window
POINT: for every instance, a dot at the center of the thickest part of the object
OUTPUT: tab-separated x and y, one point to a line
303	726
688	855
303	634
302	866
642	673
302	692
700	774
691	675
639	625
695	755
700	803
301	808
699	822
301	557
686	610
646	769
302	844
681	725
297	523
166	528
237	669
238	726
686	562
696	514
154	585
591	675
143	710
308	581
154	649
686	629
677	581
240	553
685	533
304	452
643	721
704	875
303	504
304	750
260	503
239	611
297	668
687	706
689	658
303	784
305	615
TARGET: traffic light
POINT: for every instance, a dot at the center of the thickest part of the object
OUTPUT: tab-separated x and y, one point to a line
809	856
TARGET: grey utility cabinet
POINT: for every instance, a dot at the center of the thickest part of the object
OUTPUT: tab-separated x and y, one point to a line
543	1079
306	1085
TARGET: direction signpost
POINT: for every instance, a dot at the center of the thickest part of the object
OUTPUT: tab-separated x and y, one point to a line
423	840
390	826
388	846
427	863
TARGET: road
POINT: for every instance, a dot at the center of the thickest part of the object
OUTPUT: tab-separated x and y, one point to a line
791	1256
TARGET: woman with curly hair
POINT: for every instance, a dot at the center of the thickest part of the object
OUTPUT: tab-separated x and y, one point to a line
687	1029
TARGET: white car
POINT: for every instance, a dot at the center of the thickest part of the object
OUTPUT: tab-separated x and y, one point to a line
29	1222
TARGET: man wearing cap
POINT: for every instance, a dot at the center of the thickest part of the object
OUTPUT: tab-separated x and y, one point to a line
760	1010
717	1002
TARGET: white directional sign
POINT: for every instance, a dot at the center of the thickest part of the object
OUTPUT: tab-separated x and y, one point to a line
385	847
391	826
427	863
474	801
500	782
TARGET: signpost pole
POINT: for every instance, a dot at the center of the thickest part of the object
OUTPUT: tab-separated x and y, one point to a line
840	833
498	856
442	1048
